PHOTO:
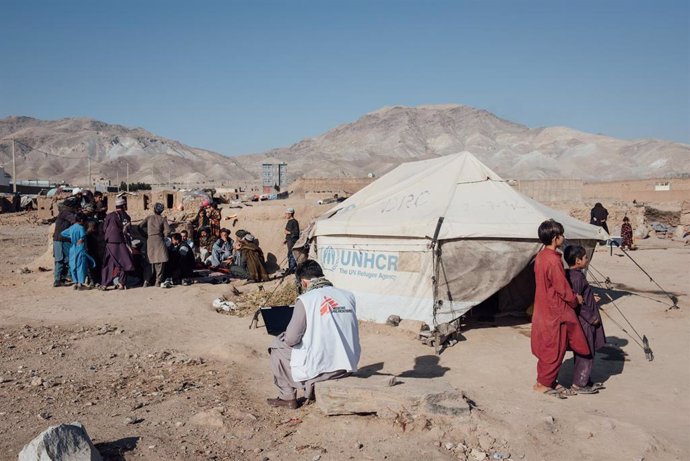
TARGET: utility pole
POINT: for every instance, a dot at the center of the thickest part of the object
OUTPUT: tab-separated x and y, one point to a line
14	170
89	154
127	163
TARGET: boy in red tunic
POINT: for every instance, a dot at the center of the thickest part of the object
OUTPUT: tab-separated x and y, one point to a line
555	327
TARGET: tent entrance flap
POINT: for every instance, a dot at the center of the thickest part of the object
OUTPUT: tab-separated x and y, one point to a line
470	271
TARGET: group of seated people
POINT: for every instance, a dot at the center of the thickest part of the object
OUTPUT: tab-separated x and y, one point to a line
241	258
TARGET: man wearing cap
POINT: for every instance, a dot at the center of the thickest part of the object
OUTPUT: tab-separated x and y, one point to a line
321	341
155	227
291	237
118	257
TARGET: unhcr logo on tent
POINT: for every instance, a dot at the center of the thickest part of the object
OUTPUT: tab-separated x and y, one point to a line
359	263
329	258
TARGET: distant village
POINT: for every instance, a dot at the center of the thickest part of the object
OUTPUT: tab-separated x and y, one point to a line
38	194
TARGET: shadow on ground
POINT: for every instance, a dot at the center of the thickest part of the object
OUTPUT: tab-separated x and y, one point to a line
608	361
115	450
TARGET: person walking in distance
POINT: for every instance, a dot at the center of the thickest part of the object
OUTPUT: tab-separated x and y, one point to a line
291	237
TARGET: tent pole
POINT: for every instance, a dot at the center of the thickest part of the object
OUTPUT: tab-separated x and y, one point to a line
436	255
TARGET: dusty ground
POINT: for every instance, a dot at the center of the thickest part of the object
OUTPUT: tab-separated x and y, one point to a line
157	374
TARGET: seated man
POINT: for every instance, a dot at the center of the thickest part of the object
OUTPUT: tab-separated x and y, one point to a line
248	260
321	341
222	250
206	241
182	261
186	239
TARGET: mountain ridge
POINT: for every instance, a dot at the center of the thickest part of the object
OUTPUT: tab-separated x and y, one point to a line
373	144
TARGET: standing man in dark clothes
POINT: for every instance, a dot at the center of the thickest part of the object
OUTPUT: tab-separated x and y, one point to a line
156	228
598	216
101	205
118	257
291	237
17	202
65	218
94	231
589	316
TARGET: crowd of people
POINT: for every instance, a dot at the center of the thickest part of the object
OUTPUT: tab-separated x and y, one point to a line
96	249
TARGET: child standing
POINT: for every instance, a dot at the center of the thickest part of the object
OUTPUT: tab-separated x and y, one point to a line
627	234
589	316
554	324
79	259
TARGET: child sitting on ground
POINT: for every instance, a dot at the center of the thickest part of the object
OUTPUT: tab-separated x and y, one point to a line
589	316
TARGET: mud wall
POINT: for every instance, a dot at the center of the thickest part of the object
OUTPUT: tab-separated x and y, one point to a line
319	188
575	190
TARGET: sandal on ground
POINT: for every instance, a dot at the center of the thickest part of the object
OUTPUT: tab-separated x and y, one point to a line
554	393
584	390
596	386
565	391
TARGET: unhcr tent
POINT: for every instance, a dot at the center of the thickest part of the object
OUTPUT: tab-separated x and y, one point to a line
433	238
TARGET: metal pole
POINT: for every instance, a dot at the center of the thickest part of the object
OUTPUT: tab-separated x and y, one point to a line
127	163
14	170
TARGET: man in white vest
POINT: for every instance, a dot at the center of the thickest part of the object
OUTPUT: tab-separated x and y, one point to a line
321	341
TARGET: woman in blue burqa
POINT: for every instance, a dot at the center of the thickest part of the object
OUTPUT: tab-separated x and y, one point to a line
79	259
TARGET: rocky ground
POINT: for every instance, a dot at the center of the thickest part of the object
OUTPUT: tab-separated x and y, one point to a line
158	374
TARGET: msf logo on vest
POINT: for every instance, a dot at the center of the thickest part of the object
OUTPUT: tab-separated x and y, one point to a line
330	306
332	258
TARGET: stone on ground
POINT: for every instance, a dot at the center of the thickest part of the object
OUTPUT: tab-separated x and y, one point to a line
65	442
355	395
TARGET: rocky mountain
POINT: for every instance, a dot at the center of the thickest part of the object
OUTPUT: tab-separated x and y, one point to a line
59	150
375	143
379	141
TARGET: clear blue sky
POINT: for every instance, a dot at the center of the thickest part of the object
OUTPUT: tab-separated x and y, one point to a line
245	76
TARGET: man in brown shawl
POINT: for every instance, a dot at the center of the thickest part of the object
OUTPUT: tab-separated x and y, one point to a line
248	260
156	228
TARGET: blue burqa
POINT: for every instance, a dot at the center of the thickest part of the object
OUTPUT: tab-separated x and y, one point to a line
79	259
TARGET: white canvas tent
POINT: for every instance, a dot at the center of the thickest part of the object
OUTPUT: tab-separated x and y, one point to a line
380	242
